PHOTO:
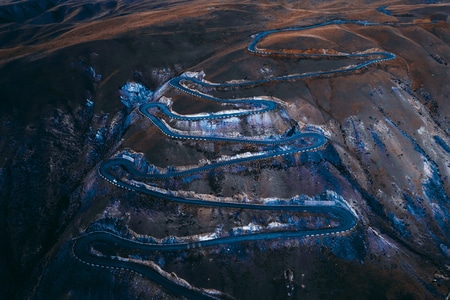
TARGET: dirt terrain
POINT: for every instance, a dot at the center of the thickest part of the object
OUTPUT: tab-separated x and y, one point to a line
62	66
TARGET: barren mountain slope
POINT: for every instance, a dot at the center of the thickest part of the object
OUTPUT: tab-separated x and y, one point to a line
63	63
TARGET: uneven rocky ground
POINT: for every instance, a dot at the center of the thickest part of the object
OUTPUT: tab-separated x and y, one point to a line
62	64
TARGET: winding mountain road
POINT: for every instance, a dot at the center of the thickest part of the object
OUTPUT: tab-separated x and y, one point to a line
284	145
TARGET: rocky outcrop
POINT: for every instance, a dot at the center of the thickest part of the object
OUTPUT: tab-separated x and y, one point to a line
41	175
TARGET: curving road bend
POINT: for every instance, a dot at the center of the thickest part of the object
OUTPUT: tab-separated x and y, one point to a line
284	145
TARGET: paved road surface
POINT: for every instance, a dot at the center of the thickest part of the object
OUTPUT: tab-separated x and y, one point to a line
287	145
